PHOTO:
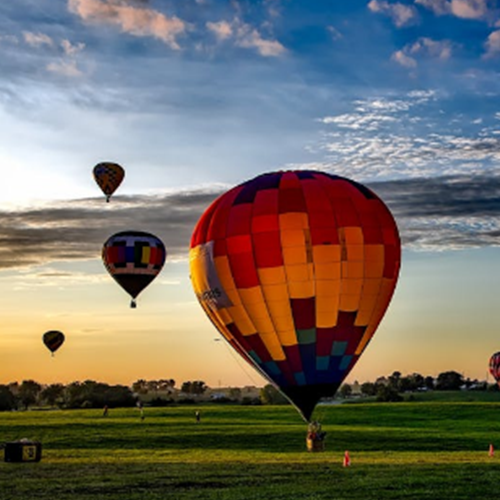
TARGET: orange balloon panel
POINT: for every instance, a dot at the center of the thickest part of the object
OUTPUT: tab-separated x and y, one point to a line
296	270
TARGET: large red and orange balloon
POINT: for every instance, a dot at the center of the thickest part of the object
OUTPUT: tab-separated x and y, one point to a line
495	367
296	270
108	176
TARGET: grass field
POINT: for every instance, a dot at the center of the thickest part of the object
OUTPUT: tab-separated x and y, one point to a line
424	450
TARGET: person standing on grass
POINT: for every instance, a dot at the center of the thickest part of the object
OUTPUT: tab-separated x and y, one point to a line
105	411
197	416
141	409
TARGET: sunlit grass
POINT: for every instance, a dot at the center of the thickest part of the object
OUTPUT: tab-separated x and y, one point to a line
416	451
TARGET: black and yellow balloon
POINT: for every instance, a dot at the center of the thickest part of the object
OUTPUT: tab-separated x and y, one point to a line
53	339
108	176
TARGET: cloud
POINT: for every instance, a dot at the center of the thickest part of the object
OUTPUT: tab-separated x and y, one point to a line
465	9
439	7
335	33
469	9
445	213
37	39
492	45
137	21
407	136
66	68
438	213
423	47
250	38
70	49
403	59
76	230
438	49
401	15
245	36
221	30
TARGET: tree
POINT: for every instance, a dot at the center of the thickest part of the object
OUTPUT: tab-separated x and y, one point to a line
7	399
449	381
387	393
166	385
52	393
28	392
395	381
429	382
269	395
345	391
91	394
235	393
196	387
368	389
140	386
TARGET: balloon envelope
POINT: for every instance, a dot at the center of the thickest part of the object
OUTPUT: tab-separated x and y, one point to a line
53	339
296	270
495	366
134	259
108	176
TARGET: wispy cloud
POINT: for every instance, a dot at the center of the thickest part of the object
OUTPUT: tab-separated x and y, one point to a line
66	68
222	29
135	20
492	45
469	9
439	7
433	213
445	213
403	59
37	39
407	136
423	47
465	9
71	49
76	230
245	36
402	15
335	33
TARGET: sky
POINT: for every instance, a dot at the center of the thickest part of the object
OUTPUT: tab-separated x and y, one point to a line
193	97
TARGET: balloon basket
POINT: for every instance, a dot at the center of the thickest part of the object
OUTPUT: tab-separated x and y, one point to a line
315	439
23	450
314	444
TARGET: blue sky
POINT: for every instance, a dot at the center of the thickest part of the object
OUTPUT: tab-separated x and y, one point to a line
194	96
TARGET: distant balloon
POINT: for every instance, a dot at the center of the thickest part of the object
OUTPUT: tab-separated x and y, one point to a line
495	367
296	270
108	176
53	339
134	259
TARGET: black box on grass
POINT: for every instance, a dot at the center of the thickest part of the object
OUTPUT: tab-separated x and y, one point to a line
23	451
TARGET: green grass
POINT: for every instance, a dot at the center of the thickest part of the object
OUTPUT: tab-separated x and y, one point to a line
416	451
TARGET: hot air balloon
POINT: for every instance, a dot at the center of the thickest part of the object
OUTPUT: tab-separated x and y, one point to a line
495	367
108	176
134	259
296	270
53	339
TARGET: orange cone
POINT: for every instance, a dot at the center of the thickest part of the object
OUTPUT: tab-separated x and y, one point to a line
492	451
347	459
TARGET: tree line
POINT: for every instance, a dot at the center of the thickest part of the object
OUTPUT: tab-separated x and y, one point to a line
88	394
162	392
392	388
